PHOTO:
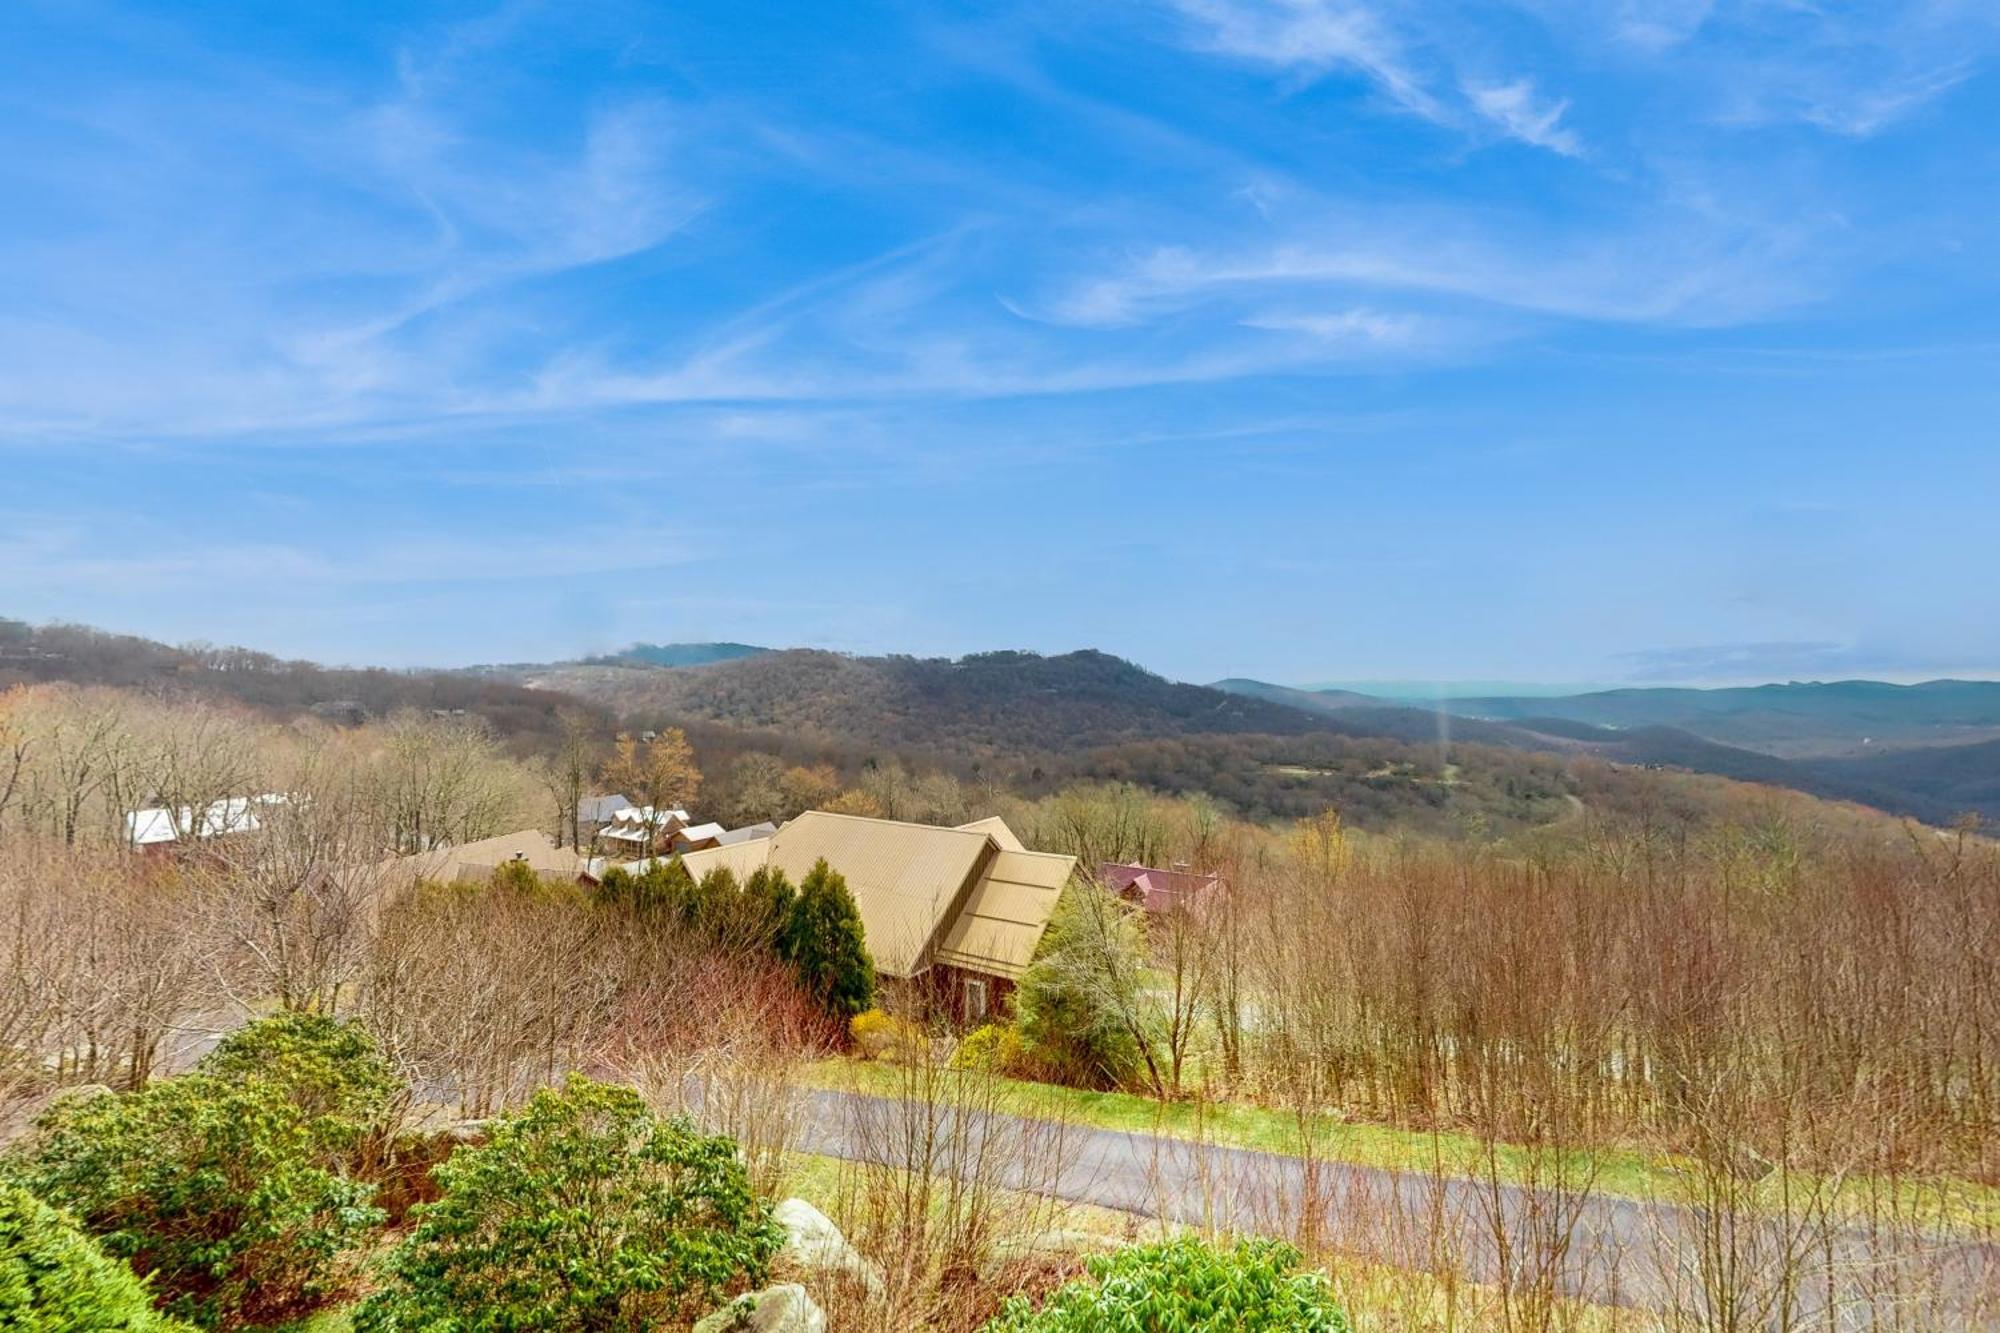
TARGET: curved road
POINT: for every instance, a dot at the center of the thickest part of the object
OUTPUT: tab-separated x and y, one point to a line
1610	1250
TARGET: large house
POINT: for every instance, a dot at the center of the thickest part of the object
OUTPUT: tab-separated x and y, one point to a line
953	912
640	830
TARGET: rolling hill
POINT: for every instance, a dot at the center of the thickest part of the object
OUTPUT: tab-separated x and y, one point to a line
1800	720
1888	746
32	655
993	704
1088	713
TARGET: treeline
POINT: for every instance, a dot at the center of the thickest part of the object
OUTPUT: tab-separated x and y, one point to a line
78	655
76	763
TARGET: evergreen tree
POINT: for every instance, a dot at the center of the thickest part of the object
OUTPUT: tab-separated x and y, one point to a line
769	895
823	941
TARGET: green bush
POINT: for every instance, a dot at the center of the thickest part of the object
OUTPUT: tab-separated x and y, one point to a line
1188	1287
767	903
1077	1001
331	1071
52	1276
582	1212
213	1186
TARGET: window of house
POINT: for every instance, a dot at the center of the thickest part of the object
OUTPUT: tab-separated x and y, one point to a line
975	1001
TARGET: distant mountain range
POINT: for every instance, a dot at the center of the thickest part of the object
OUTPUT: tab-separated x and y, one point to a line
1911	750
1799	720
1931	751
676	654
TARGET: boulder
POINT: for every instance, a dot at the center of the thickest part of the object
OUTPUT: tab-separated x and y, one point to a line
813	1243
785	1308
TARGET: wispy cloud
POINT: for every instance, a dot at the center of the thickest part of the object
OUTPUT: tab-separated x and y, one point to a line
1709	274
1514	108
1408	54
1358	324
1312	37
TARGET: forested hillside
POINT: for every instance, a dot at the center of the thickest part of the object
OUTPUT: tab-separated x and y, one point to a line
989	704
83	656
1028	720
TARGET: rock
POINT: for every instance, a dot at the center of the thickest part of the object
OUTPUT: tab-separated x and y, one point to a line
785	1308
1043	1245
814	1243
467	1131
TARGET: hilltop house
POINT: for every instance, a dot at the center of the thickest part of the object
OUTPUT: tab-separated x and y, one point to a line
1156	890
158	828
640	830
955	913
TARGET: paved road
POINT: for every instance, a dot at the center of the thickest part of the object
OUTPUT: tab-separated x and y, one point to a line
1612	1251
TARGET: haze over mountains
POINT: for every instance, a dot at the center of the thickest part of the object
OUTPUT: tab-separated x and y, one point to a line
1931	751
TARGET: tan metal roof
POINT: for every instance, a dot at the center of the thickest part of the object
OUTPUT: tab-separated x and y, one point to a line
970	896
996	828
1009	909
743	859
478	860
906	878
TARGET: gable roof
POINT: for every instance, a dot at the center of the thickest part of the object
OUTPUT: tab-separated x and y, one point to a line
970	897
1004	917
1157	890
907	879
996	828
742	858
472	861
231	814
601	809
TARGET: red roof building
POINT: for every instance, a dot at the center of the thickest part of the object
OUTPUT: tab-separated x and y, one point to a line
1153	889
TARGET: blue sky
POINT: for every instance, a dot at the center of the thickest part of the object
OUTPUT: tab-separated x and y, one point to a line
1587	340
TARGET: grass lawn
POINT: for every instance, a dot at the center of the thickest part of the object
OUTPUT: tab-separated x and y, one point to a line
1623	1172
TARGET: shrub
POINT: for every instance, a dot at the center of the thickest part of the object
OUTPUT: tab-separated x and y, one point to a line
663	891
994	1048
214	1186
822	939
52	1276
880	1036
582	1212
1185	1285
1076	1002
331	1071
